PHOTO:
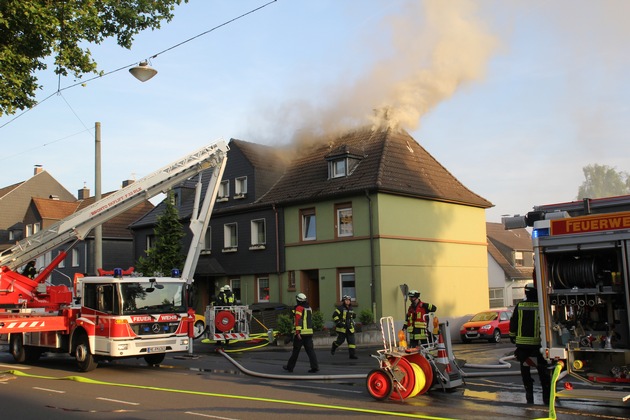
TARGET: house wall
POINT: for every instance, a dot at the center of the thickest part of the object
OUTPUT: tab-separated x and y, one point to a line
436	248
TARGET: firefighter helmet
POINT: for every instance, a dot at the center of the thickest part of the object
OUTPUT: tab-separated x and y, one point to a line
346	297
227	287
300	297
413	293
221	289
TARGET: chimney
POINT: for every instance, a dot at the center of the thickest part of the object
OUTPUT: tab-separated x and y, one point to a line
53	197
83	193
38	169
127	182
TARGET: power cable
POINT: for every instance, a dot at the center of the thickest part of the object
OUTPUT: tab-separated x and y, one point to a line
60	89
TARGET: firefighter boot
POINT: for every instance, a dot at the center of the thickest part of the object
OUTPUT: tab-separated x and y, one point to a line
353	354
333	348
529	393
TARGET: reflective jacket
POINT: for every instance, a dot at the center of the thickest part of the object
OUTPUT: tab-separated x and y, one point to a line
416	321
525	324
303	322
344	319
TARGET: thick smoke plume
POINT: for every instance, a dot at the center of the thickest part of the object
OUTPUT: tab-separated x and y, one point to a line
427	51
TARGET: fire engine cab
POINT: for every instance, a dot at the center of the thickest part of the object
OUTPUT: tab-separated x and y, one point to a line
109	316
582	261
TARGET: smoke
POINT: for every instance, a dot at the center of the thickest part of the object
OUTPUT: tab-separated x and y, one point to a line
425	53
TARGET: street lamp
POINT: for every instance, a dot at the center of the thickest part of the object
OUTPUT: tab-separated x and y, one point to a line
143	71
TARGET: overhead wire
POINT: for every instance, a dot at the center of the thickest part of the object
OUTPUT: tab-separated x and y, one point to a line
83	82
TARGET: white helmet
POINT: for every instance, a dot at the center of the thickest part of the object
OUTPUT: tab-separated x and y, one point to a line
227	287
300	297
221	289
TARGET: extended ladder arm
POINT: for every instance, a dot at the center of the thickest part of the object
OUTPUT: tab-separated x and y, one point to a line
79	224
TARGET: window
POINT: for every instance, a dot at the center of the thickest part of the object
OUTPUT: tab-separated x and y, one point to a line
207	240
11	235
259	234
347	284
263	289
75	257
291	281
518	258
230	237
224	190
240	187
338	168
235	284
308	225
150	239
343	220
29	230
496	297
62	263
36	227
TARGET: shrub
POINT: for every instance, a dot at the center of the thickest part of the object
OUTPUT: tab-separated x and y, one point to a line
285	324
318	321
366	317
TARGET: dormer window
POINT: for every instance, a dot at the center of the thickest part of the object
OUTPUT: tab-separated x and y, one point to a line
342	162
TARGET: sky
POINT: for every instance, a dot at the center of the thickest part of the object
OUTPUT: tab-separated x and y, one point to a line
514	98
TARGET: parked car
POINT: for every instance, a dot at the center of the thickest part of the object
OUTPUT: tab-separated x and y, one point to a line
488	325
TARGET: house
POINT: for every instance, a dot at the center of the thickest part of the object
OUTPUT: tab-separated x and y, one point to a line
15	199
243	238
365	214
117	241
510	264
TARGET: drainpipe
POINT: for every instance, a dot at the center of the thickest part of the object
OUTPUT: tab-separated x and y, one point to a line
372	274
275	210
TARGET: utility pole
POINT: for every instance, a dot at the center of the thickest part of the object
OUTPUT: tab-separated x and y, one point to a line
98	230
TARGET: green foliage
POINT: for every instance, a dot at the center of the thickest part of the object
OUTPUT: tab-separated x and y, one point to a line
318	321
166	254
285	324
366	317
33	30
603	181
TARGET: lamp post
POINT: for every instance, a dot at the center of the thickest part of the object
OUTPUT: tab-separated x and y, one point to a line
98	230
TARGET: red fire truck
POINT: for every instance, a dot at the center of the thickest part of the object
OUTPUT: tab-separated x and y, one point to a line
107	317
582	260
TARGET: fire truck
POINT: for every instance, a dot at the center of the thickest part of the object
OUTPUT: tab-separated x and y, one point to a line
582	263
107	317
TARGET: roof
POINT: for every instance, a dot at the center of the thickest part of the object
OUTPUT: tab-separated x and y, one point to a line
54	209
390	162
514	240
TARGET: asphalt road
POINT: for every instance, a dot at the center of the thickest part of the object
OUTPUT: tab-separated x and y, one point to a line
251	384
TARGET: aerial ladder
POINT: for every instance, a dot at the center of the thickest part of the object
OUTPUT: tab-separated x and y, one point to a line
30	314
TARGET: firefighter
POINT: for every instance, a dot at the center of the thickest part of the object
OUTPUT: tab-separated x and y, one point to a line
344	325
30	271
415	319
229	296
525	333
221	296
303	324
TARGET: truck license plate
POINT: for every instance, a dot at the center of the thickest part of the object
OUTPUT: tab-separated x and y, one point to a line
156	349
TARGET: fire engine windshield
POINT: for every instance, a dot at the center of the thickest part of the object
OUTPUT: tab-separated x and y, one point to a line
164	297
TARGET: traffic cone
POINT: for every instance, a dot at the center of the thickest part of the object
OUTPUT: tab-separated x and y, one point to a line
442	357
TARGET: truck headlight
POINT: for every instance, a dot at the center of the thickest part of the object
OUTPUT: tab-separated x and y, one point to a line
184	342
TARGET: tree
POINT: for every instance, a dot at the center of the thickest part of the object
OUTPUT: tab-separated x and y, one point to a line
603	181
32	30
167	252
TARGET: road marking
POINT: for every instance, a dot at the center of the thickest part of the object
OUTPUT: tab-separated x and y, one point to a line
192	413
49	390
14	367
118	401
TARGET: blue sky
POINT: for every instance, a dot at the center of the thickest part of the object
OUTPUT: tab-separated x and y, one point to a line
514	98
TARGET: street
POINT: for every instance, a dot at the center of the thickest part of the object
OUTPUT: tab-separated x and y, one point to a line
206	384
